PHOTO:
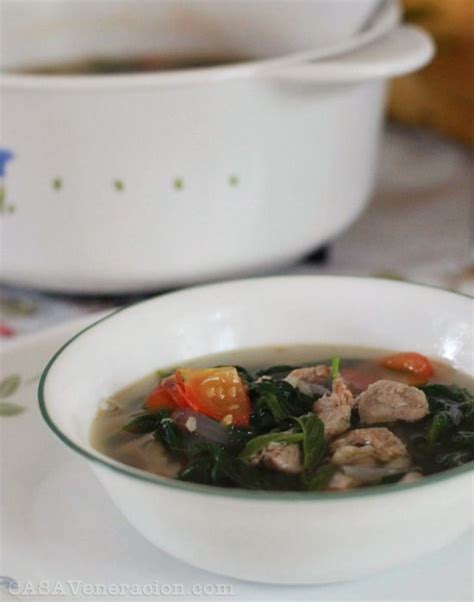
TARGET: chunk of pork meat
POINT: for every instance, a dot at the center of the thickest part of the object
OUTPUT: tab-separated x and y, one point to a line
278	456
311	374
334	410
342	482
342	391
369	446
310	380
389	401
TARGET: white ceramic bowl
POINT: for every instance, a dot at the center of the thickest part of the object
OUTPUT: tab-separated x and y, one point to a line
135	182
262	536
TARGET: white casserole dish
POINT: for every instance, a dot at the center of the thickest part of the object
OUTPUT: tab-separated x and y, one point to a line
134	182
263	536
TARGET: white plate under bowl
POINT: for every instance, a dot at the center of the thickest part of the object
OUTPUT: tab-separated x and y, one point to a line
54	540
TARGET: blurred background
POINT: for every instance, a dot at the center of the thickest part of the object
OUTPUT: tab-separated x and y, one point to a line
441	96
419	226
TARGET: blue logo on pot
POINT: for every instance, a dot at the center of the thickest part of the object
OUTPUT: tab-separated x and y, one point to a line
5	157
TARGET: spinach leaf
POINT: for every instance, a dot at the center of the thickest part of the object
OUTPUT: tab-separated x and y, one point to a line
254	477
161	374
164	429
272	396
258	443
212	464
274	402
238	437
245	375
145	423
452	459
464	439
276	371
451	407
468	421
449	436
390	478
314	450
203	458
441	425
171	436
314	442
452	399
439	395
320	478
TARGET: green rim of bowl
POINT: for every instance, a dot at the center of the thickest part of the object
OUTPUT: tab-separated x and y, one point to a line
249	494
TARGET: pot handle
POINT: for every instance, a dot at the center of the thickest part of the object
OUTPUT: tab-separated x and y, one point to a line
405	49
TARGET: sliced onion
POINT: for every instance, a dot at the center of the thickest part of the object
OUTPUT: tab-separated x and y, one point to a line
371	474
319	390
306	387
199	424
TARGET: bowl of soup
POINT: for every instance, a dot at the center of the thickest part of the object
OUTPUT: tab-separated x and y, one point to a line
152	144
259	428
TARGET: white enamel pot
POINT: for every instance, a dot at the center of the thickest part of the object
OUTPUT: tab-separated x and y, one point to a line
135	182
275	537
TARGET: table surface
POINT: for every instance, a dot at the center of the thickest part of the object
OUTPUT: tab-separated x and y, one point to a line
418	227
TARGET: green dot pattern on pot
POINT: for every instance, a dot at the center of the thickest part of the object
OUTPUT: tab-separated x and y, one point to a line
57	184
178	183
4	206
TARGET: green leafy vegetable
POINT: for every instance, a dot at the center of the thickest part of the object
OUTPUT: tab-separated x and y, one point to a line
320	478
314	443
270	397
452	459
164	373
440	425
468	421
390	478
335	363
244	375
274	402
254	477
441	397
145	423
170	435
449	436
164	429
276	371
258	443
204	460
238	437
466	439
212	464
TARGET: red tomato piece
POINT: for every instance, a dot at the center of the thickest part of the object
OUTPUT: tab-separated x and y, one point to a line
216	392
166	394
411	363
